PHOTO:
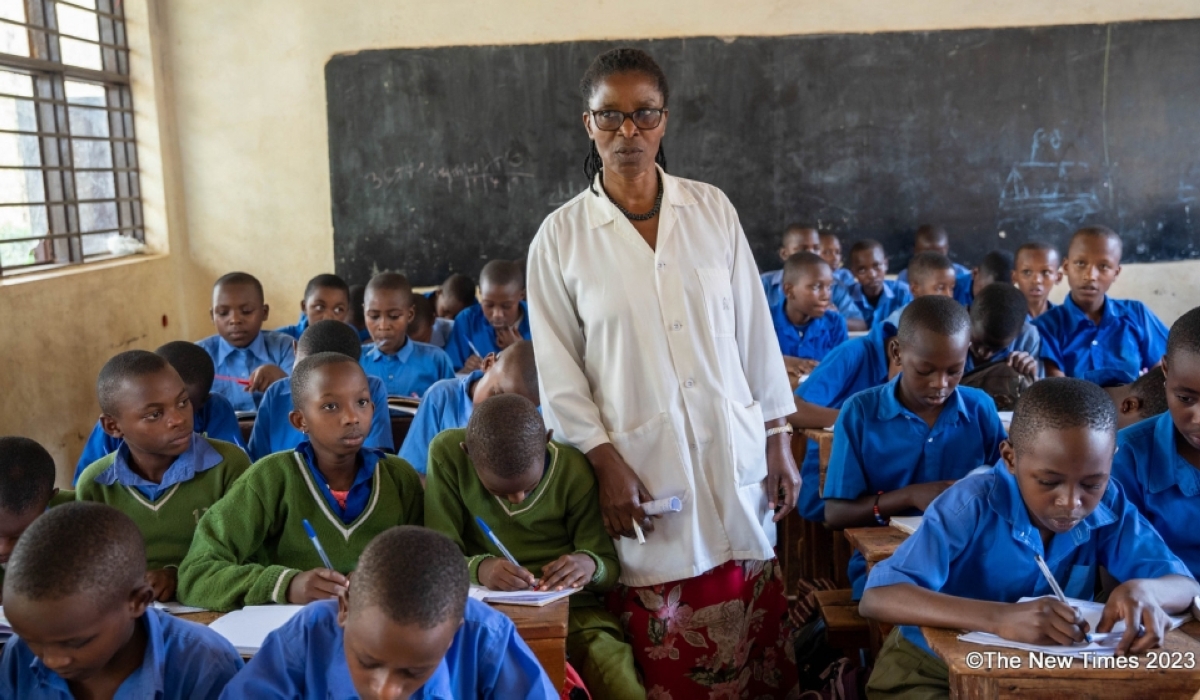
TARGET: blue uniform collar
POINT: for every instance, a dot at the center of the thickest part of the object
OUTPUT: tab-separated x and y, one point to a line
146	681
257	349
1109	313
857	293
199	457
403	354
889	406
779	311
370	457
1005	499
1181	473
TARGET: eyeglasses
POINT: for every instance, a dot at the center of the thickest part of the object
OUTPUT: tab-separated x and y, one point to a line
613	119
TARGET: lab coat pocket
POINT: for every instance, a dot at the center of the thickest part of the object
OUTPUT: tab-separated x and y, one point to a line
718	299
748	440
652	451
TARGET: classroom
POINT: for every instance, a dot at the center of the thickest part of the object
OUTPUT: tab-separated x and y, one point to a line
396	144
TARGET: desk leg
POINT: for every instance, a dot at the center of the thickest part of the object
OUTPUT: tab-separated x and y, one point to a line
973	688
552	654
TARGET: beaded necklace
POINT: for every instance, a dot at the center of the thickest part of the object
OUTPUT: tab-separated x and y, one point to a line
630	215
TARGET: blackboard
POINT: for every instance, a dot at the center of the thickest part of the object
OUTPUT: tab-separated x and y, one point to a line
442	158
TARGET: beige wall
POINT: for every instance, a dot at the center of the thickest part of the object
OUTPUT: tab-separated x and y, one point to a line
230	106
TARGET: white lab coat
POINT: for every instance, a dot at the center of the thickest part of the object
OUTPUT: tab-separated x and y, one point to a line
670	355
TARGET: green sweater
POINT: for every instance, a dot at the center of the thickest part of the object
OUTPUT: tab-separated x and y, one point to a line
250	546
561	516
59	498
167	524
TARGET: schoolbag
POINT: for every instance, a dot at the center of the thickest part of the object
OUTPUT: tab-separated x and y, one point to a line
1000	381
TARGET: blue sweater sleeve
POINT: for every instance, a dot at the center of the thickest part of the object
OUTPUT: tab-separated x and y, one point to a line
98	445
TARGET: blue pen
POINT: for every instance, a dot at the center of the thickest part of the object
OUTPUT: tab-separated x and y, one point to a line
312	535
496	541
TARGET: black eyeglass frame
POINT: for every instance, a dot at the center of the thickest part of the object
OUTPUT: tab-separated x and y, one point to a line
658	113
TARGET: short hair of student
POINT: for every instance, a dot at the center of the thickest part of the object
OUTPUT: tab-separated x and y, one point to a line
423	314
999	310
801	263
613	62
519	362
506	435
866	244
1038	246
936	314
236	278
330	336
80	548
123	367
306	370
1061	403
796	229
998	265
1151	388
931	232
1185	334
26	475
414	575
391	282
460	288
503	273
326	281
1098	232
192	362
358	293
922	265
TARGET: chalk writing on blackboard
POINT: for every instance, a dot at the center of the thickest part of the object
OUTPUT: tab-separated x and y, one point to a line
1048	185
487	174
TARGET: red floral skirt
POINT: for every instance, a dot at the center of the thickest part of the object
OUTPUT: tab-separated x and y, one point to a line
723	635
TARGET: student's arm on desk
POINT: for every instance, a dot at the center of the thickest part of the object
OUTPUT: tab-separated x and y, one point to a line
860	512
1146	601
810	415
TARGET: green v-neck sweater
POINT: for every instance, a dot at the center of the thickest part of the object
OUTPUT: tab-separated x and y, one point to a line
250	546
168	523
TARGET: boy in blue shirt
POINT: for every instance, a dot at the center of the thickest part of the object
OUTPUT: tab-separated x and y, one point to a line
1136	401
26	491
1091	331
325	297
929	274
1158	461
449	403
456	293
405	629
406	367
77	600
427	327
807	330
212	416
932	239
831	252
973	557
1037	269
797	238
897	446
247	358
273	428
500	319
996	266
875	296
999	331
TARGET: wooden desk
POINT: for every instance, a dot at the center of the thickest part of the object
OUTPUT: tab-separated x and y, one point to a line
824	440
806	549
1074	683
875	543
543	629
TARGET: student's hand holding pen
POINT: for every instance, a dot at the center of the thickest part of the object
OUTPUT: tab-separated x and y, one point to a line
1142	614
1041	621
472	363
316	584
500	574
264	377
163	582
568	571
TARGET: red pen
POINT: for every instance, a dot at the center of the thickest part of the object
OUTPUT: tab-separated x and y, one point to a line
243	382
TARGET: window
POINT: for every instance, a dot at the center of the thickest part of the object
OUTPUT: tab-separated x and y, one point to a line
68	163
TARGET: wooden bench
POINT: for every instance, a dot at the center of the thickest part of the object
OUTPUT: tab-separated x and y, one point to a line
845	629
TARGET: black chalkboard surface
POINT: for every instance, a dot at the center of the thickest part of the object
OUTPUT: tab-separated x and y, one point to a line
443	158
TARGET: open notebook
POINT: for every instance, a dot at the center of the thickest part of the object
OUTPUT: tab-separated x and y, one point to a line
247	629
906	523
534	598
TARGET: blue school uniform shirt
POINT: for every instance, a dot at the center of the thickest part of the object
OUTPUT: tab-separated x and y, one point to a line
273	431
976	541
959	272
858	364
964	287
215	419
879	445
839	296
182	660
1163	486
306	659
296	329
1129	336
1028	340
442	327
446	405
1049	305
269	348
411	370
359	493
199	457
812	339
471	327
893	296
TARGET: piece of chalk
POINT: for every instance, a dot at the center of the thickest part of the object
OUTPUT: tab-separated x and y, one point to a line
663	505
637	529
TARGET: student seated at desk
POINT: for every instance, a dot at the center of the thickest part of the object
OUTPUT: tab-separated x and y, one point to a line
449	403
325	297
1091	331
456	293
932	239
1136	401
804	324
831	252
405	629
875	296
251	548
797	238
247	358
1158	461
77	599
26	491
541	500
996	266
357	318
973	556
212	416
1002	360
929	274
499	320
164	474
897	446
839	297
273	428
406	367
426	326
1036	271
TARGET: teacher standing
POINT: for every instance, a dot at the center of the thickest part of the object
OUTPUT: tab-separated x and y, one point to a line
657	359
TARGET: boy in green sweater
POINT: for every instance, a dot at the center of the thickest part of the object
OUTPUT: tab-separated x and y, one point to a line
540	499
252	548
164	475
26	491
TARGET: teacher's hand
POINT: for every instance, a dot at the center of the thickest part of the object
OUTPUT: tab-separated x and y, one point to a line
783	478
622	493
